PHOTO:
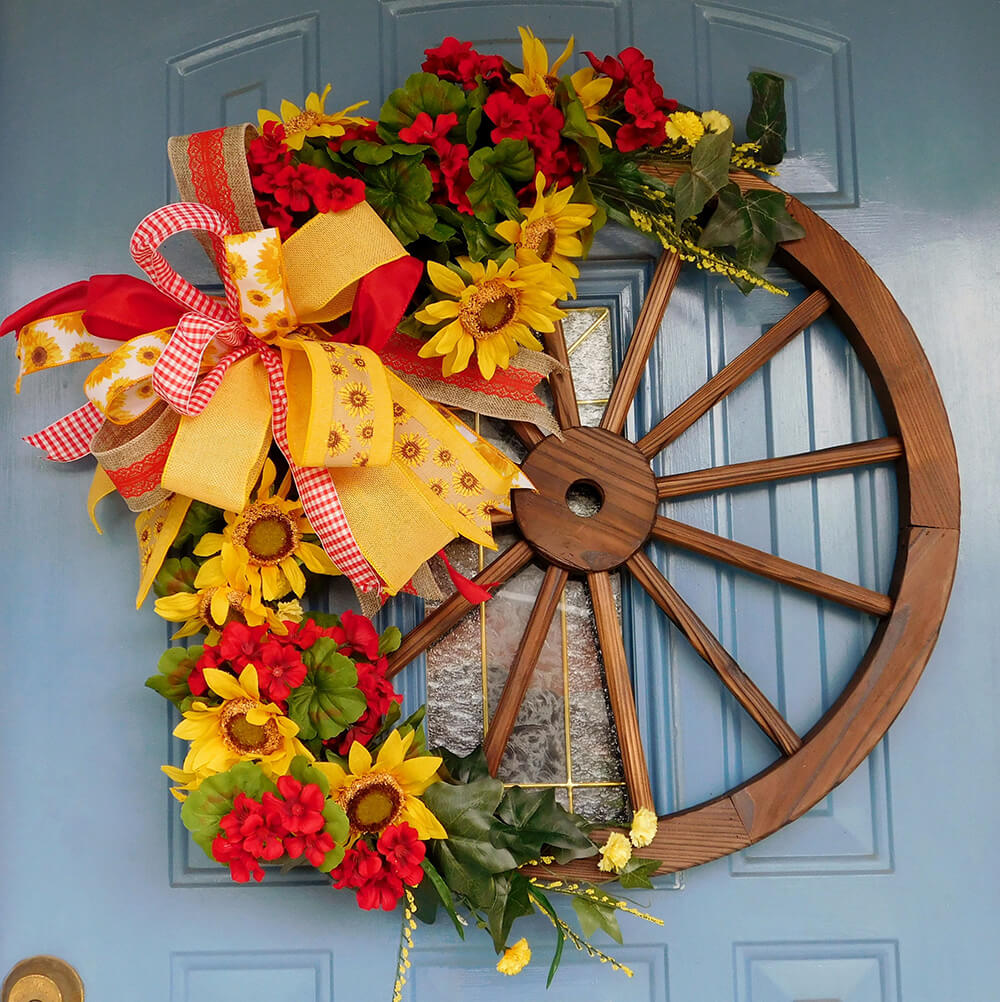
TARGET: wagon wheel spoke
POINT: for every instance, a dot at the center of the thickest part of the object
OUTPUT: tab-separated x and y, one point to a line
532	641
501	519
759	471
563	393
747	558
735	372
529	434
641	344
448	614
757	705
609	635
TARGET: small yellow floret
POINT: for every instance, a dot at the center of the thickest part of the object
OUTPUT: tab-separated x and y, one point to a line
643	829
685	125
615	853
715	121
515	958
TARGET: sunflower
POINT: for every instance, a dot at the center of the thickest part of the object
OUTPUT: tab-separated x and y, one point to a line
492	315
259	549
241	728
538	77
313	120
375	795
550	232
37	349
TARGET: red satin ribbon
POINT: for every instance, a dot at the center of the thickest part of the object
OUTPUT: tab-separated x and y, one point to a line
116	307
469	590
380	302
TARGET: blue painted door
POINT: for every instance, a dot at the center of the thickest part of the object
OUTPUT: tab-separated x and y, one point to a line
885	892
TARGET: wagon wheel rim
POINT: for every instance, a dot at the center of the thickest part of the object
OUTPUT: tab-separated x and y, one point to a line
918	441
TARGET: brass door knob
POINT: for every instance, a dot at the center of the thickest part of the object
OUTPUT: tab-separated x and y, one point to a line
42	979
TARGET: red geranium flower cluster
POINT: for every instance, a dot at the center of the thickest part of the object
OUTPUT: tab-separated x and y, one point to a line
289	193
379	694
278	660
379	876
262	831
516	116
450	174
460	63
635	86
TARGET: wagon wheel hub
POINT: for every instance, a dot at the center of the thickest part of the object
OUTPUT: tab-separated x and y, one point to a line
618	475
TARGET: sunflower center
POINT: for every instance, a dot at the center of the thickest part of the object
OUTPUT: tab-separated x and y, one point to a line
236	600
302	122
373	802
489	309
242	737
540	236
267	534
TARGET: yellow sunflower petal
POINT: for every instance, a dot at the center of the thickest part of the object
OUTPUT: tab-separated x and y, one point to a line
210	574
509	230
248	679
417	813
416	774
223	684
392	752
220	605
210	543
359	759
175	608
294	576
316	558
335	775
445	279
273	583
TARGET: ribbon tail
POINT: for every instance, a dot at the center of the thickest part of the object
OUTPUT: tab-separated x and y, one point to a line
380	302
473	593
69	438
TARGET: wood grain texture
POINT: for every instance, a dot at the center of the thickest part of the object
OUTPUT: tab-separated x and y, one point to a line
529	434
641	344
502	723
733	373
609	635
610	465
701	638
450	612
561	382
747	558
758	471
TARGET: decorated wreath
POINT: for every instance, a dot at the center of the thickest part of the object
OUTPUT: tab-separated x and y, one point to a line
376	276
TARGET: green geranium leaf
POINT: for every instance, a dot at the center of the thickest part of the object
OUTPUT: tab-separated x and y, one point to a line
546	906
322	619
316	156
636	872
171	680
390	640
512	901
176	575
708	172
213	800
480	240
535	822
494	169
767	123
302	770
328	701
421	92
435	880
577	126
200	518
367	152
338	828
593	916
399	191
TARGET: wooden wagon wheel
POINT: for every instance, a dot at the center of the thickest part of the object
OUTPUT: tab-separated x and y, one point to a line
918	440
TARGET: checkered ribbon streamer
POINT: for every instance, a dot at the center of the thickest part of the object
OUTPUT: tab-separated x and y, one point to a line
68	439
175	375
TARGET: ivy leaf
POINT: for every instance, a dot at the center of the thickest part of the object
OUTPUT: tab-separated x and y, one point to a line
708	172
493	170
399	191
390	640
435	880
328	701
730	224
593	916
338	828
534	820
174	667
465	768
200	518
767	123
546	906
213	800
512	901
480	241
422	92
175	576
316	156
636	872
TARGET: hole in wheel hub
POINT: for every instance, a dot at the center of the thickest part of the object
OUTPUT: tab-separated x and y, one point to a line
594	503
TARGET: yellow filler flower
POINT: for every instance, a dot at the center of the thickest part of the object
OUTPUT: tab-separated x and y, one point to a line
549	232
643	830
686	126
375	795
492	315
538	77
241	728
615	853
260	547
515	958
313	120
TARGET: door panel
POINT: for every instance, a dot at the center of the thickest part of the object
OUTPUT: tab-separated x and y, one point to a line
884	891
